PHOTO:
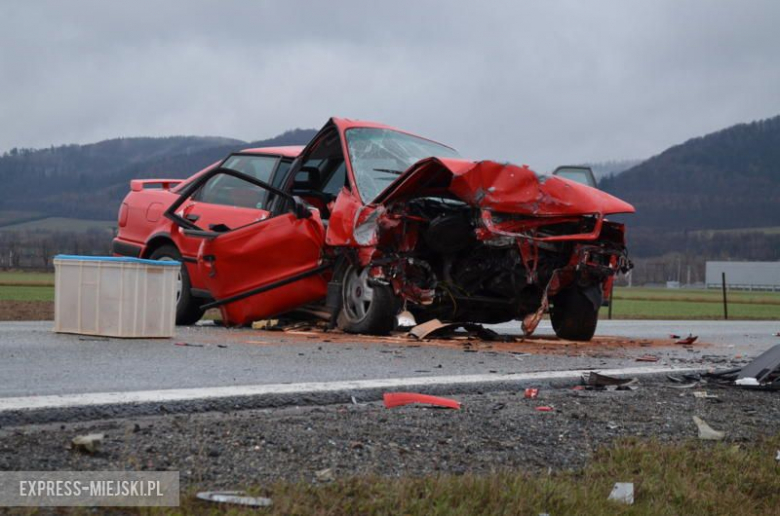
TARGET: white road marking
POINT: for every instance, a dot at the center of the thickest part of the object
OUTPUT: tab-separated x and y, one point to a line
214	393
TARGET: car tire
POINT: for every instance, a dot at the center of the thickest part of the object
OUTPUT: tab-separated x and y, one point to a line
188	309
366	307
574	316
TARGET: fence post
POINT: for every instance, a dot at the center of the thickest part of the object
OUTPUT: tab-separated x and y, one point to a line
725	302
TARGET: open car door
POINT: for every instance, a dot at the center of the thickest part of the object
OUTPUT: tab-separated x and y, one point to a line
263	268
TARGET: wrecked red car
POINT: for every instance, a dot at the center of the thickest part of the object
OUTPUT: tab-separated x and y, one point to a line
371	221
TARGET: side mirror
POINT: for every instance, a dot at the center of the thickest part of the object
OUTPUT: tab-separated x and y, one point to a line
300	208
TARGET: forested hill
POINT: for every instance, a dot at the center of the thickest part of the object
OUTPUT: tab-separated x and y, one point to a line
89	181
728	179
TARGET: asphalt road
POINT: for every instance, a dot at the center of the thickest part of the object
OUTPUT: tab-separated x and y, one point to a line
36	362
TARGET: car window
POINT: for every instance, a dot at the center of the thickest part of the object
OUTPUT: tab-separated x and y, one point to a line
336	181
578	174
281	173
230	191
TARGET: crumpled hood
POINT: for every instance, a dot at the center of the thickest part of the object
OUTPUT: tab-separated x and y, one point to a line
502	188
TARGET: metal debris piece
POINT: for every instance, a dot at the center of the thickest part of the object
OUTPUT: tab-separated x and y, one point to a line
188	344
706	432
89	443
235	498
764	369
595	379
704	395
399	399
623	492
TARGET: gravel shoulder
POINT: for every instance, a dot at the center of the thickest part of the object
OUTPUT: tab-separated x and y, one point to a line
492	431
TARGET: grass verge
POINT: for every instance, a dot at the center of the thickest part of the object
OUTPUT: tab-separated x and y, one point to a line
669	479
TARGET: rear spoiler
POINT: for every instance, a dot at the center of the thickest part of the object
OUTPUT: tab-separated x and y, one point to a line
136	185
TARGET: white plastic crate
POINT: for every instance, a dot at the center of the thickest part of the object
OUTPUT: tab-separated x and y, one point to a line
115	296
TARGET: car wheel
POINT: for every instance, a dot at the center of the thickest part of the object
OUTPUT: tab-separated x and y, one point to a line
367	307
574	316
188	309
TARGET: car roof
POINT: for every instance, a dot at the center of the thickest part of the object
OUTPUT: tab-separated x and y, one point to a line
348	123
287	151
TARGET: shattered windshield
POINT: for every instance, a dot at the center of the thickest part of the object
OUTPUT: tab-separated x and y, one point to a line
379	156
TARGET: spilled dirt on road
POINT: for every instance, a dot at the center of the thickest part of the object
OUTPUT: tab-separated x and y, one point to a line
600	346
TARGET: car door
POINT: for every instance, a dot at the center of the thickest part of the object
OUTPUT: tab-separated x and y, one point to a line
265	267
224	201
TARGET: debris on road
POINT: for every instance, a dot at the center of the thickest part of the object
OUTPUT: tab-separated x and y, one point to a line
674	336
623	492
265	324
762	373
647	358
235	498
704	395
531	393
188	345
325	475
686	385
89	443
405	320
437	329
765	369
544	408
597	380
706	432
690	339
399	399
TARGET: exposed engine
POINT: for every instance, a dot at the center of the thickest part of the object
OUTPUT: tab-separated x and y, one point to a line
437	262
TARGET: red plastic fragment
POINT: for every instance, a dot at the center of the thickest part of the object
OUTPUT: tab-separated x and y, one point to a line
399	399
531	393
544	409
690	339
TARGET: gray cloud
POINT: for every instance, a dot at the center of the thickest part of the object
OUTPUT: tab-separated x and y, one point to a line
541	83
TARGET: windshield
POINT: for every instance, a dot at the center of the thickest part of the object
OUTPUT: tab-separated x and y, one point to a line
379	156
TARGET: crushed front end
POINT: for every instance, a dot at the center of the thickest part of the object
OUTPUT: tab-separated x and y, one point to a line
488	242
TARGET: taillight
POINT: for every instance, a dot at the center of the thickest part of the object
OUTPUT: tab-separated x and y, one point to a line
123	215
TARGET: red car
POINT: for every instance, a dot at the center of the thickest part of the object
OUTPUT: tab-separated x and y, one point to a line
369	221
144	232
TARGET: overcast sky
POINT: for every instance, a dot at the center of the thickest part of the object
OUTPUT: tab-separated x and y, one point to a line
538	82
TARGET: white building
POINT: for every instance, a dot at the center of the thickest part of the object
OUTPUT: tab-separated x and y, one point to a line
744	275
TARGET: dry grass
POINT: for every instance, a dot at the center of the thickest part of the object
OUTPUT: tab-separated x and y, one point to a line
691	478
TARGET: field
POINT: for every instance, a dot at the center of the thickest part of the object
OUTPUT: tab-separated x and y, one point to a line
57	224
660	303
